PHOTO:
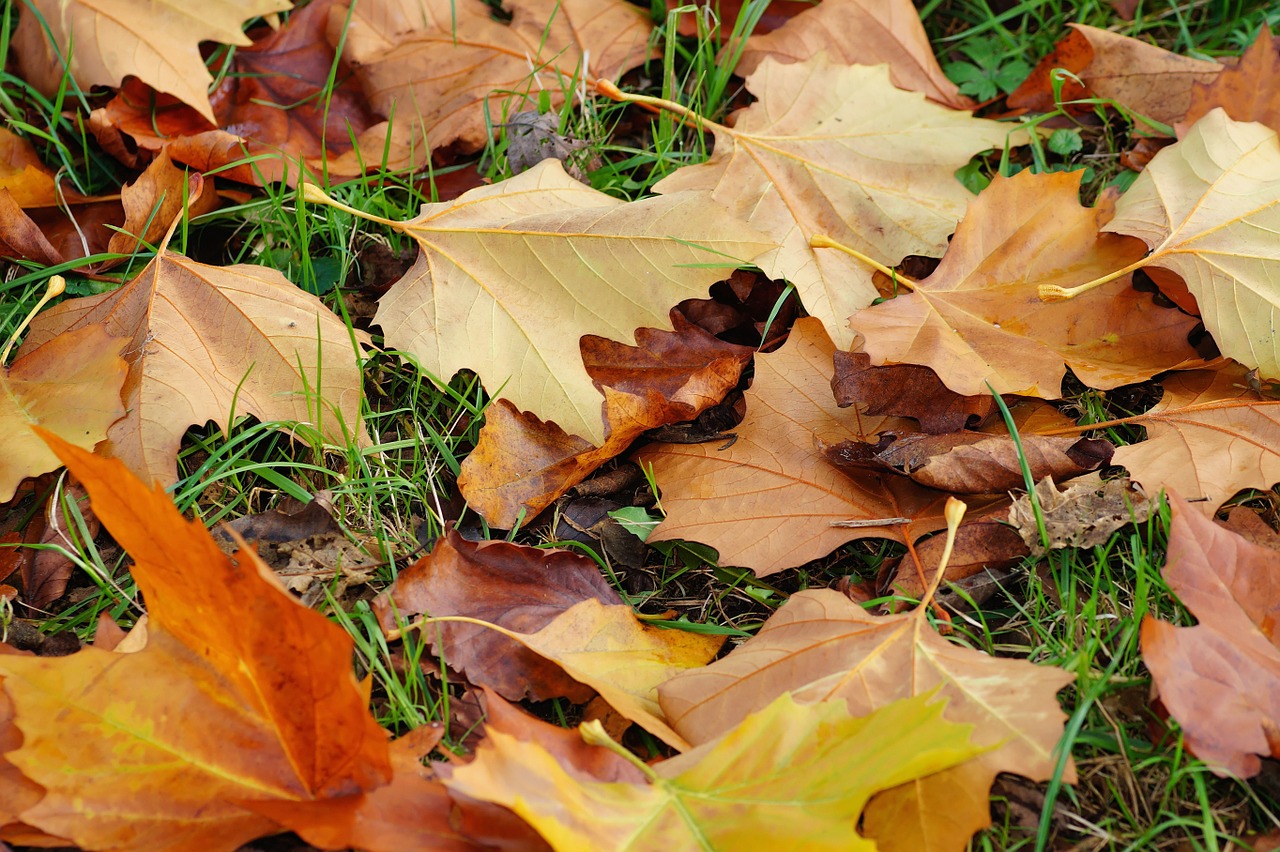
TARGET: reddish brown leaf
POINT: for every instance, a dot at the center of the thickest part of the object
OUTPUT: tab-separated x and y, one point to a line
1221	678
980	545
727	12
517	587
906	390
1248	91
46	572
155	200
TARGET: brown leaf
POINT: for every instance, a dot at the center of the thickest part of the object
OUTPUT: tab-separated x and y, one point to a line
152	203
981	544
523	463
514	586
777	13
1221	678
820	646
769	500
979	319
28	180
1084	515
1141	77
45	574
1248	91
905	390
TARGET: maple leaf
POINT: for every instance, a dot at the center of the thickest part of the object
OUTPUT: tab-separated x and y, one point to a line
17	792
446	72
1210	436
1145	79
1248	91
521	464
793	774
1221	678
820	646
69	385
861	32
100	43
160	196
512	275
27	179
978	318
108	734
1208	208
206	341
777	13
771	500
835	150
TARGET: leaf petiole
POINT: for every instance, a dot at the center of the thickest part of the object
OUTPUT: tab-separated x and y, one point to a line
823	241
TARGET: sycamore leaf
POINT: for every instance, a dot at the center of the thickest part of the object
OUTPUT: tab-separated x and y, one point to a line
446	71
208	341
835	150
157	41
979	318
109	734
70	385
29	181
820	646
17	792
512	275
795	775
1210	436
769	500
1248	91
161	194
1209	209
861	32
1221	678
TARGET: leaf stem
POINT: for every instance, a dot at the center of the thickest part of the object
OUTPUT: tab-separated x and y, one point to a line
954	513
823	241
316	195
56	287
688	116
1054	293
593	733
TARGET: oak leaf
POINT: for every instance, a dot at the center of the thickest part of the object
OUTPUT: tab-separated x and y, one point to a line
771	500
1208	207
1220	679
207	341
835	150
1247	91
978	318
861	32
109	734
521	464
512	275
793	774
102	42
820	646
69	385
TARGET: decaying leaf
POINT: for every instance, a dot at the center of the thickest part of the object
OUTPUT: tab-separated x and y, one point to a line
820	646
69	384
1221	678
1084	515
770	500
979	319
1249	91
530	265
109	734
792	774
861	32
906	390
835	150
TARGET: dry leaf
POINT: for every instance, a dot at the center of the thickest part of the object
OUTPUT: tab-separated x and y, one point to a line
206	341
152	203
17	792
28	180
1221	678
861	32
820	646
109	734
1248	91
979	319
157	42
982	545
512	275
795	775
906	390
70	385
835	150
522	464
1084	515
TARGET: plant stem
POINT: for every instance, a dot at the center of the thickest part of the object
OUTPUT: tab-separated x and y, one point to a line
56	287
1054	293
823	241
688	116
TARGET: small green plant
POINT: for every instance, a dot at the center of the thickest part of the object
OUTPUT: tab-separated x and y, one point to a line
989	70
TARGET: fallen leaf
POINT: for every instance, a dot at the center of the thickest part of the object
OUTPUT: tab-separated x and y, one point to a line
46	573
523	464
820	646
1086	514
978	318
1221	678
791	774
1249	525
727	12
861	32
28	180
208	341
906	390
533	263
160	195
1248	91
108	735
514	586
17	792
1143	78
1208	437
835	150
981	544
770	500
1207	208
69	384
157	42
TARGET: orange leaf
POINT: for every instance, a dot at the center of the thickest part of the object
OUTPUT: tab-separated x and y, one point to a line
110	735
1249	91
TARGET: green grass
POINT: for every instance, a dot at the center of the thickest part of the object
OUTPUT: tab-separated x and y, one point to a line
1078	609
